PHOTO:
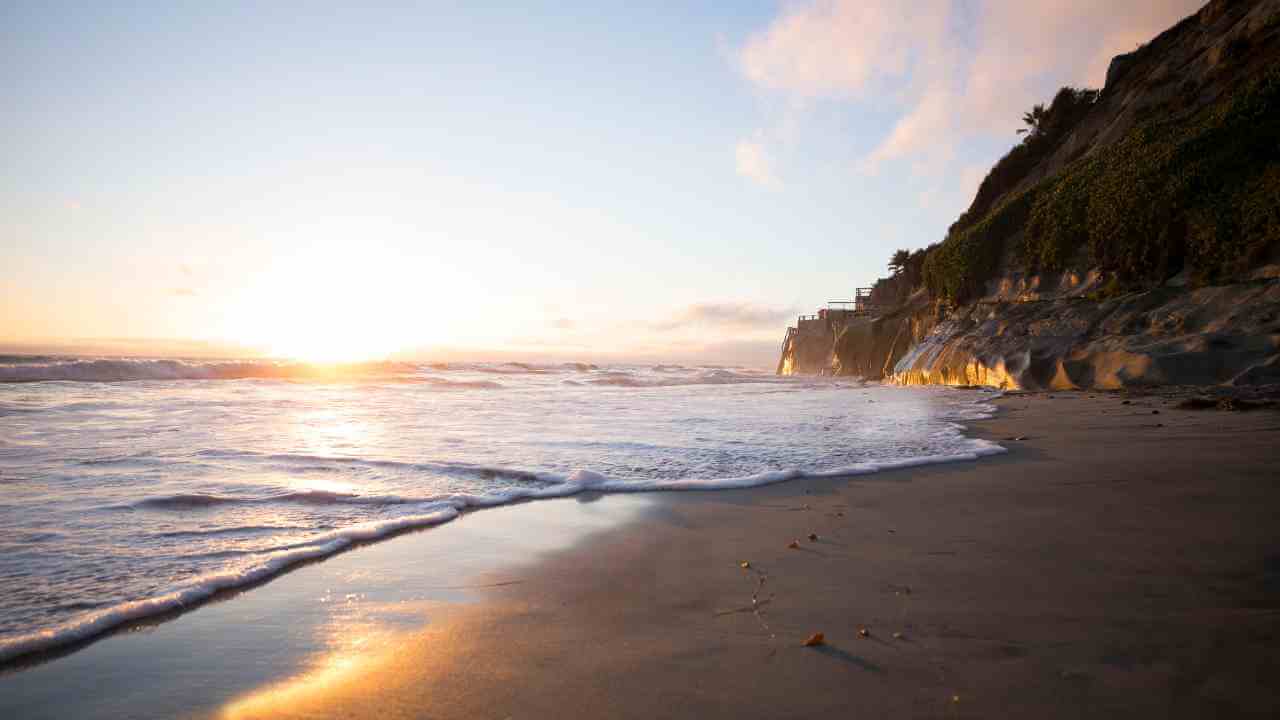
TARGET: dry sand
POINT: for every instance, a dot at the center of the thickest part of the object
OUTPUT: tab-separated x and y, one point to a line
1115	563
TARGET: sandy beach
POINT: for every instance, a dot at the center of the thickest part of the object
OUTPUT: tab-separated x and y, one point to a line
1123	559
805	359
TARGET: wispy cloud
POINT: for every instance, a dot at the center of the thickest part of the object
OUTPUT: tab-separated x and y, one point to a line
833	48
188	283
952	69
727	316
753	163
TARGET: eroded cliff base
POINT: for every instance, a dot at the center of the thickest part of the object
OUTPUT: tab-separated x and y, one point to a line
1222	335
1167	336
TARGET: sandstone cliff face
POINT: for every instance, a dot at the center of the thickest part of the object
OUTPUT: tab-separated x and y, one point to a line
807	353
1209	336
871	348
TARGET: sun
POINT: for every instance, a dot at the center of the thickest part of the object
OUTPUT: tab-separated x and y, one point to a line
326	308
341	346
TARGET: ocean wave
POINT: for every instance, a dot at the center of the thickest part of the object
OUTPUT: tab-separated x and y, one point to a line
192	501
302	460
462	384
235	530
713	377
515	368
95	623
184	501
6	359
122	370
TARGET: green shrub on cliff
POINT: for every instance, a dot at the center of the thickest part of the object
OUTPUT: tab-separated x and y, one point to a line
1046	129
958	269
1201	192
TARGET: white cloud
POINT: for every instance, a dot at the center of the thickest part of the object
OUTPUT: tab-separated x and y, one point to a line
955	70
753	163
835	48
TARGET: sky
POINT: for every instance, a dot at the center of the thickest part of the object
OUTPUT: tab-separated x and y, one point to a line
564	180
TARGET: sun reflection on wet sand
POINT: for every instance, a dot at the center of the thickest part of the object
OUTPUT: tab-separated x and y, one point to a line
364	645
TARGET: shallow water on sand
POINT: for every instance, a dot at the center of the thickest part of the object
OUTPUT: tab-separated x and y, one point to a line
129	488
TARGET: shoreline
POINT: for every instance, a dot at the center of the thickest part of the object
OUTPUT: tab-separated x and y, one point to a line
1020	585
49	644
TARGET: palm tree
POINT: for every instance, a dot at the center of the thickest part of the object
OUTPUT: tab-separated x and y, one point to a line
899	261
1035	120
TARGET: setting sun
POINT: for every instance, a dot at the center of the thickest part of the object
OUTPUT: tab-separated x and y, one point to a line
334	305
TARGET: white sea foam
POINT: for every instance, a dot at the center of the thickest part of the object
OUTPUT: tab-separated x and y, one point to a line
97	622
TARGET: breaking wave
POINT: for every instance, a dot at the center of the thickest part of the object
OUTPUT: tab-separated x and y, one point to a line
123	370
713	377
95	623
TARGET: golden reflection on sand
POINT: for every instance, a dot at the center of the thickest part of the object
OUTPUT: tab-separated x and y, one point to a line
363	653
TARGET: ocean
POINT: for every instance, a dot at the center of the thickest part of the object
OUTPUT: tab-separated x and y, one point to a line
135	487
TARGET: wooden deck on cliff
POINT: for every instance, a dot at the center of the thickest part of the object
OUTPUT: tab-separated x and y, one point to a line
828	321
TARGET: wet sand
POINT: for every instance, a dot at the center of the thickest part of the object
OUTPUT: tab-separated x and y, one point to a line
1114	563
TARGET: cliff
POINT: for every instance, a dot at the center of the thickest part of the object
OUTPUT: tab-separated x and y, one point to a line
1133	238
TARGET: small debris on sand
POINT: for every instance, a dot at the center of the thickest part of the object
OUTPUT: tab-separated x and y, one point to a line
794	545
1155	412
814	640
1241	405
1020	438
1227	404
744	565
839	514
955	698
897	636
1197	404
891	531
1126	402
864	632
813	537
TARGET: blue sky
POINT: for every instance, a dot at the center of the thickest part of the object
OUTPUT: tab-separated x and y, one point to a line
575	179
